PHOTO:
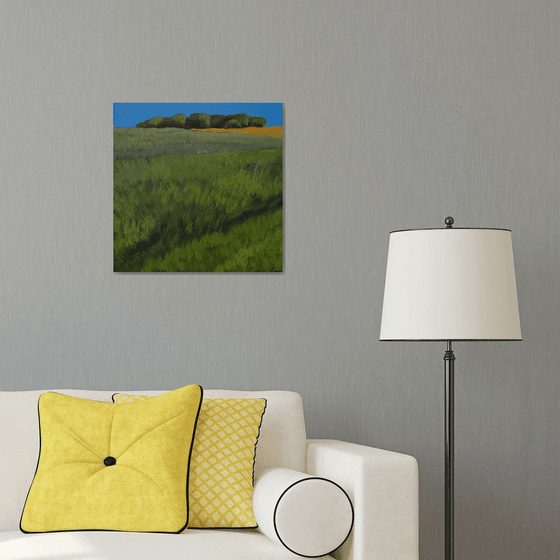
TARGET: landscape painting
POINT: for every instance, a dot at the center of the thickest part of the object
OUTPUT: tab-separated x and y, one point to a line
197	187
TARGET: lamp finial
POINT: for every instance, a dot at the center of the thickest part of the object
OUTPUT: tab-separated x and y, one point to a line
449	221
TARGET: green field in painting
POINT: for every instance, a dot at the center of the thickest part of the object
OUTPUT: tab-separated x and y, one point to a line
192	201
149	142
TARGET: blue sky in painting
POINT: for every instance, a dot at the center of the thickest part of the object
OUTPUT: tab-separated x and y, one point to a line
128	115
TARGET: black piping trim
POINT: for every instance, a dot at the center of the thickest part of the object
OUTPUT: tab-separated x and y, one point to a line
190	455
221	528
36	468
280	499
257	440
452	340
450	228
253	474
112	530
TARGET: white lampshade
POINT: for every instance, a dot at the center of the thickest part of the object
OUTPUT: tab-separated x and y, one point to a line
450	284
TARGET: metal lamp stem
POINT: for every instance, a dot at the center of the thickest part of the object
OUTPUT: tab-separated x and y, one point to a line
449	359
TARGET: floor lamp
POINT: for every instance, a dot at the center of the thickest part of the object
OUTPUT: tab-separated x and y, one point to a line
450	284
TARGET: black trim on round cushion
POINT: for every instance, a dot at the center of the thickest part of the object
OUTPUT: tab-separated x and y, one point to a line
291	486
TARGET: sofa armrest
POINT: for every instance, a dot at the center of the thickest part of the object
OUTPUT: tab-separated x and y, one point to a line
383	487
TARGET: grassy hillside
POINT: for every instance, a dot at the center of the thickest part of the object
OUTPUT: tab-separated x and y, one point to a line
185	203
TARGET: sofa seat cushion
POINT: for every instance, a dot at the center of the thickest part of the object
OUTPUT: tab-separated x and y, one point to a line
205	544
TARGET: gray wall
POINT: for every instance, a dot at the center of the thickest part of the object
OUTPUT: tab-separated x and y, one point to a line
397	114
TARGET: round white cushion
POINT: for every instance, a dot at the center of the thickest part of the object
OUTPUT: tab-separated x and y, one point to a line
310	516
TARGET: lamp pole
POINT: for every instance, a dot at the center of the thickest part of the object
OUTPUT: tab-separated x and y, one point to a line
449	359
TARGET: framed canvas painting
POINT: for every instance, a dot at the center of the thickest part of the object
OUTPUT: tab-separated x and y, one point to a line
197	187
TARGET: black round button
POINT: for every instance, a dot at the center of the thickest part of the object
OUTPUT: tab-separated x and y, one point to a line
109	461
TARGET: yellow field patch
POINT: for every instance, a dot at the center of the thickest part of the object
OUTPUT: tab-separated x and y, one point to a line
272	131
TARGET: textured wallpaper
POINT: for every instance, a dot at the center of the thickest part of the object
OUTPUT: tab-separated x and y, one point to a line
396	115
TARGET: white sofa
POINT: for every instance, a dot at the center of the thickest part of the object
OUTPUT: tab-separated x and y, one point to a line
382	486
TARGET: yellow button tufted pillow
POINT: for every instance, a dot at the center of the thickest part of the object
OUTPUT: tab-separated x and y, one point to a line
108	467
223	460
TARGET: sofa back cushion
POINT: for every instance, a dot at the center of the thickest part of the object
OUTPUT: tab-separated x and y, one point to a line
281	443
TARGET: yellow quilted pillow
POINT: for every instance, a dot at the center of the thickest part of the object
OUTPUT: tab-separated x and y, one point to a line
107	467
222	463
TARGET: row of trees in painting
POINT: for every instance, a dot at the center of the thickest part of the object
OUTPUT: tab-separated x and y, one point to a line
202	120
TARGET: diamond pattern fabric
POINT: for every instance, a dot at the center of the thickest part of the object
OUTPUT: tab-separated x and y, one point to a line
221	472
